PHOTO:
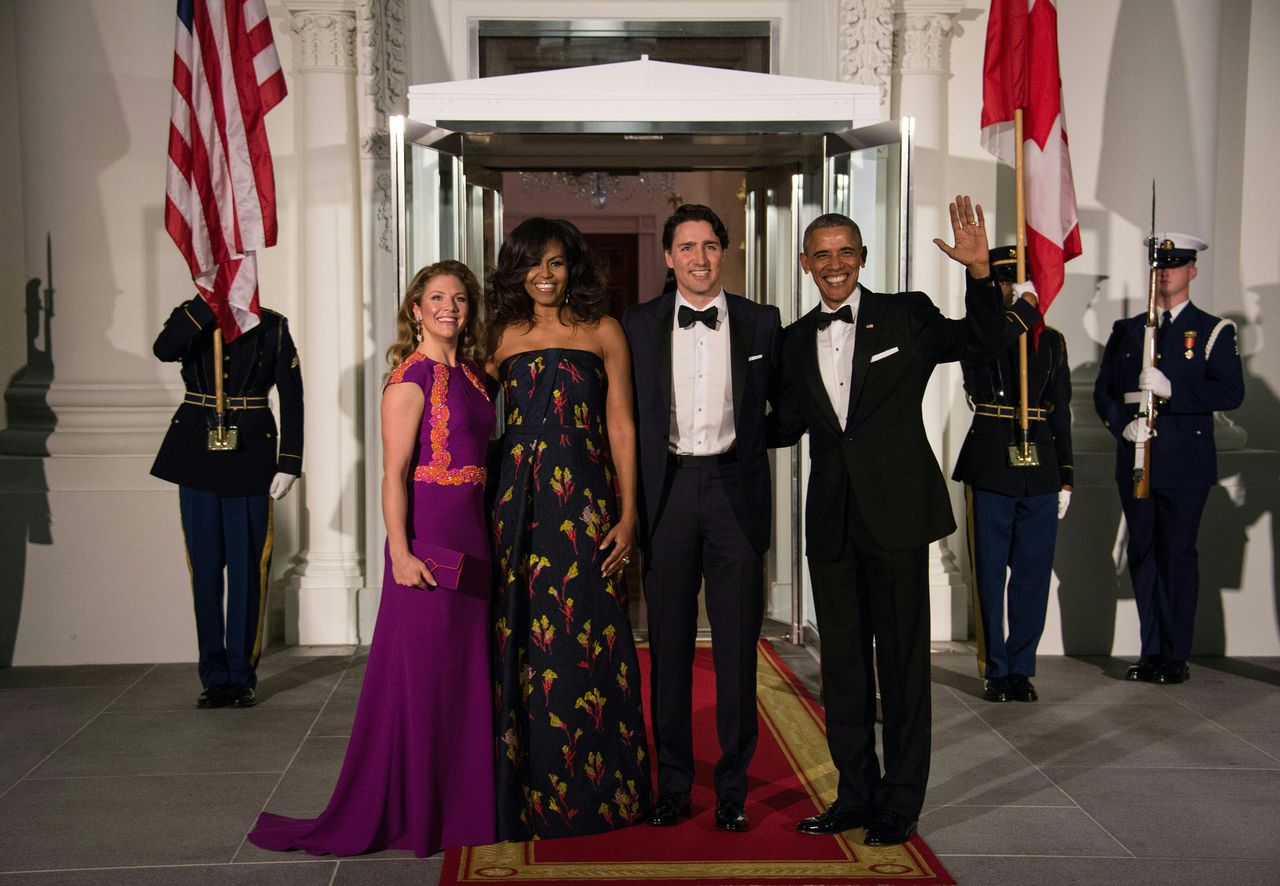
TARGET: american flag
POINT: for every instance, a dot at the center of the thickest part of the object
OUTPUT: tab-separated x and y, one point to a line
220	189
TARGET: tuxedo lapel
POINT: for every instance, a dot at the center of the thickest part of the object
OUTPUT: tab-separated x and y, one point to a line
808	331
739	343
865	339
662	319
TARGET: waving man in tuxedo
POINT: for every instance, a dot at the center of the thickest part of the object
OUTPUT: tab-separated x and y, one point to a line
856	368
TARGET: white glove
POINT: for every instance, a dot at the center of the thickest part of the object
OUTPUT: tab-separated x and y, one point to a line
281	483
1155	381
1137	429
1064	502
1026	288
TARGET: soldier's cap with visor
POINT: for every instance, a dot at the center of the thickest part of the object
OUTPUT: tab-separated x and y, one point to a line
1004	264
1173	250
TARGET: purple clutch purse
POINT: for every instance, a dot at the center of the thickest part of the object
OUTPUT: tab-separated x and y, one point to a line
453	570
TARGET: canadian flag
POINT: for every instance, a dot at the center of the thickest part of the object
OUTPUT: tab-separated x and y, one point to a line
1021	71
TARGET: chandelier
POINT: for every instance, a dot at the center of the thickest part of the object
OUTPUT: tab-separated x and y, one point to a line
598	188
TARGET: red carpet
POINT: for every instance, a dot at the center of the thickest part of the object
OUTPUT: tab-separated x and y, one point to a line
791	777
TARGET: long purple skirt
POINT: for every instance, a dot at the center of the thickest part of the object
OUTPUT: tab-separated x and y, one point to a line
418	774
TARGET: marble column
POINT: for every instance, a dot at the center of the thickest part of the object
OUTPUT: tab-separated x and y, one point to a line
325	580
382	85
922	29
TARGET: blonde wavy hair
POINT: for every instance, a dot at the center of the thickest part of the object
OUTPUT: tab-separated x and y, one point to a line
470	345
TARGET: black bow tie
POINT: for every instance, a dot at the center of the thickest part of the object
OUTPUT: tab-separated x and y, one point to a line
688	316
826	318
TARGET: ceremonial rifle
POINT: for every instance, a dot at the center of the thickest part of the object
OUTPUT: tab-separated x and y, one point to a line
1147	404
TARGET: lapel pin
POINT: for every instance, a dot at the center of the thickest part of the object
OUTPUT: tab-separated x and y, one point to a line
870	326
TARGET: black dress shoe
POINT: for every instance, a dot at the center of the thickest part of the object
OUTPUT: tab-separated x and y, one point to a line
213	697
242	697
669	809
1144	671
889	830
996	689
837	819
1020	688
730	817
1172	672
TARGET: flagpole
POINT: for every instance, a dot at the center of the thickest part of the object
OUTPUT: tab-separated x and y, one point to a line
1023	454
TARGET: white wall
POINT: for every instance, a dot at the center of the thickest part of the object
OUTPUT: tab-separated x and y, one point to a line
84	89
1183	92
93	565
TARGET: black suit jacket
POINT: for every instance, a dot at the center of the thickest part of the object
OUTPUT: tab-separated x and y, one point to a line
256	361
755	333
984	457
879	470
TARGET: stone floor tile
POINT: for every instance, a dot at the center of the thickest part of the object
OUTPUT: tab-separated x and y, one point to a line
313	872
389	872
986	870
1004	830
71	675
304	790
1181	813
147	820
169	742
1119	735
35	722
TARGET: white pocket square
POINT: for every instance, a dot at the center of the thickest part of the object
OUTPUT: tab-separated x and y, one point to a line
756	357
883	354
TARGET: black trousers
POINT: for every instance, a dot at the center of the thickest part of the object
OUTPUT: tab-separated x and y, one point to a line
698	537
1164	566
231	536
869	594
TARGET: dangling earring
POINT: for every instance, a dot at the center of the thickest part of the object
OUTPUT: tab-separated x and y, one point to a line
416	325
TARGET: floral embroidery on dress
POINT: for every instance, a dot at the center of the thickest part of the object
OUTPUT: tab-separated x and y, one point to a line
471	376
439	471
397	374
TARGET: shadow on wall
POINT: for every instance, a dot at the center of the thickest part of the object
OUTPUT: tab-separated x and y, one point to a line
1148	117
1257	466
24	489
1249	471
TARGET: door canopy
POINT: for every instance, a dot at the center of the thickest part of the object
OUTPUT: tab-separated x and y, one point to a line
644	96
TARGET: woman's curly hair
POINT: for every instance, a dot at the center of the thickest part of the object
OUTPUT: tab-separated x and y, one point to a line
586	294
471	339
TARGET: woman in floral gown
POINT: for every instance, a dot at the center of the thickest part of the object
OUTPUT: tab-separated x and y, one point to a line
572	753
418	773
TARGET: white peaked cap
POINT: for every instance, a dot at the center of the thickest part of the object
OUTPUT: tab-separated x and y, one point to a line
1182	241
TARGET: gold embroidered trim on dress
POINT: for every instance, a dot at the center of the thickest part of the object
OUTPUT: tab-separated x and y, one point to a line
439	471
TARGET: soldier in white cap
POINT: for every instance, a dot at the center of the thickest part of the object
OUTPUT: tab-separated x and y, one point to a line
1197	372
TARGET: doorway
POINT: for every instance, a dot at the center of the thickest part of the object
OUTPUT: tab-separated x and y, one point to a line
787	149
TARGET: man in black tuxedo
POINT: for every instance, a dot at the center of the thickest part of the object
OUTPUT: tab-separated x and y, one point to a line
705	366
876	499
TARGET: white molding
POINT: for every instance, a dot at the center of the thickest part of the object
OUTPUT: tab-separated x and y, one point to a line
324	41
866	45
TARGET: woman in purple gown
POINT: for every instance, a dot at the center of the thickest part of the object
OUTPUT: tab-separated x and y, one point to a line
419	770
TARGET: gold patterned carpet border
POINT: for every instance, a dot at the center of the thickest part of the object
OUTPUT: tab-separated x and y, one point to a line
792	777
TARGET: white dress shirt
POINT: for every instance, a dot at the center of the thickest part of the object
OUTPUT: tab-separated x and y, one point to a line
835	355
702	383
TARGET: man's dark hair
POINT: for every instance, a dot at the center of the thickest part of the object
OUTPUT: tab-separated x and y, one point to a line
693	212
832	220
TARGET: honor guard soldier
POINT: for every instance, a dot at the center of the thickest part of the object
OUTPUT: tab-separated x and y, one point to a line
1015	503
1195	372
230	466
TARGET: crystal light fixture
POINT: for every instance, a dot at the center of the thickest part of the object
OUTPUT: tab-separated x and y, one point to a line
597	188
